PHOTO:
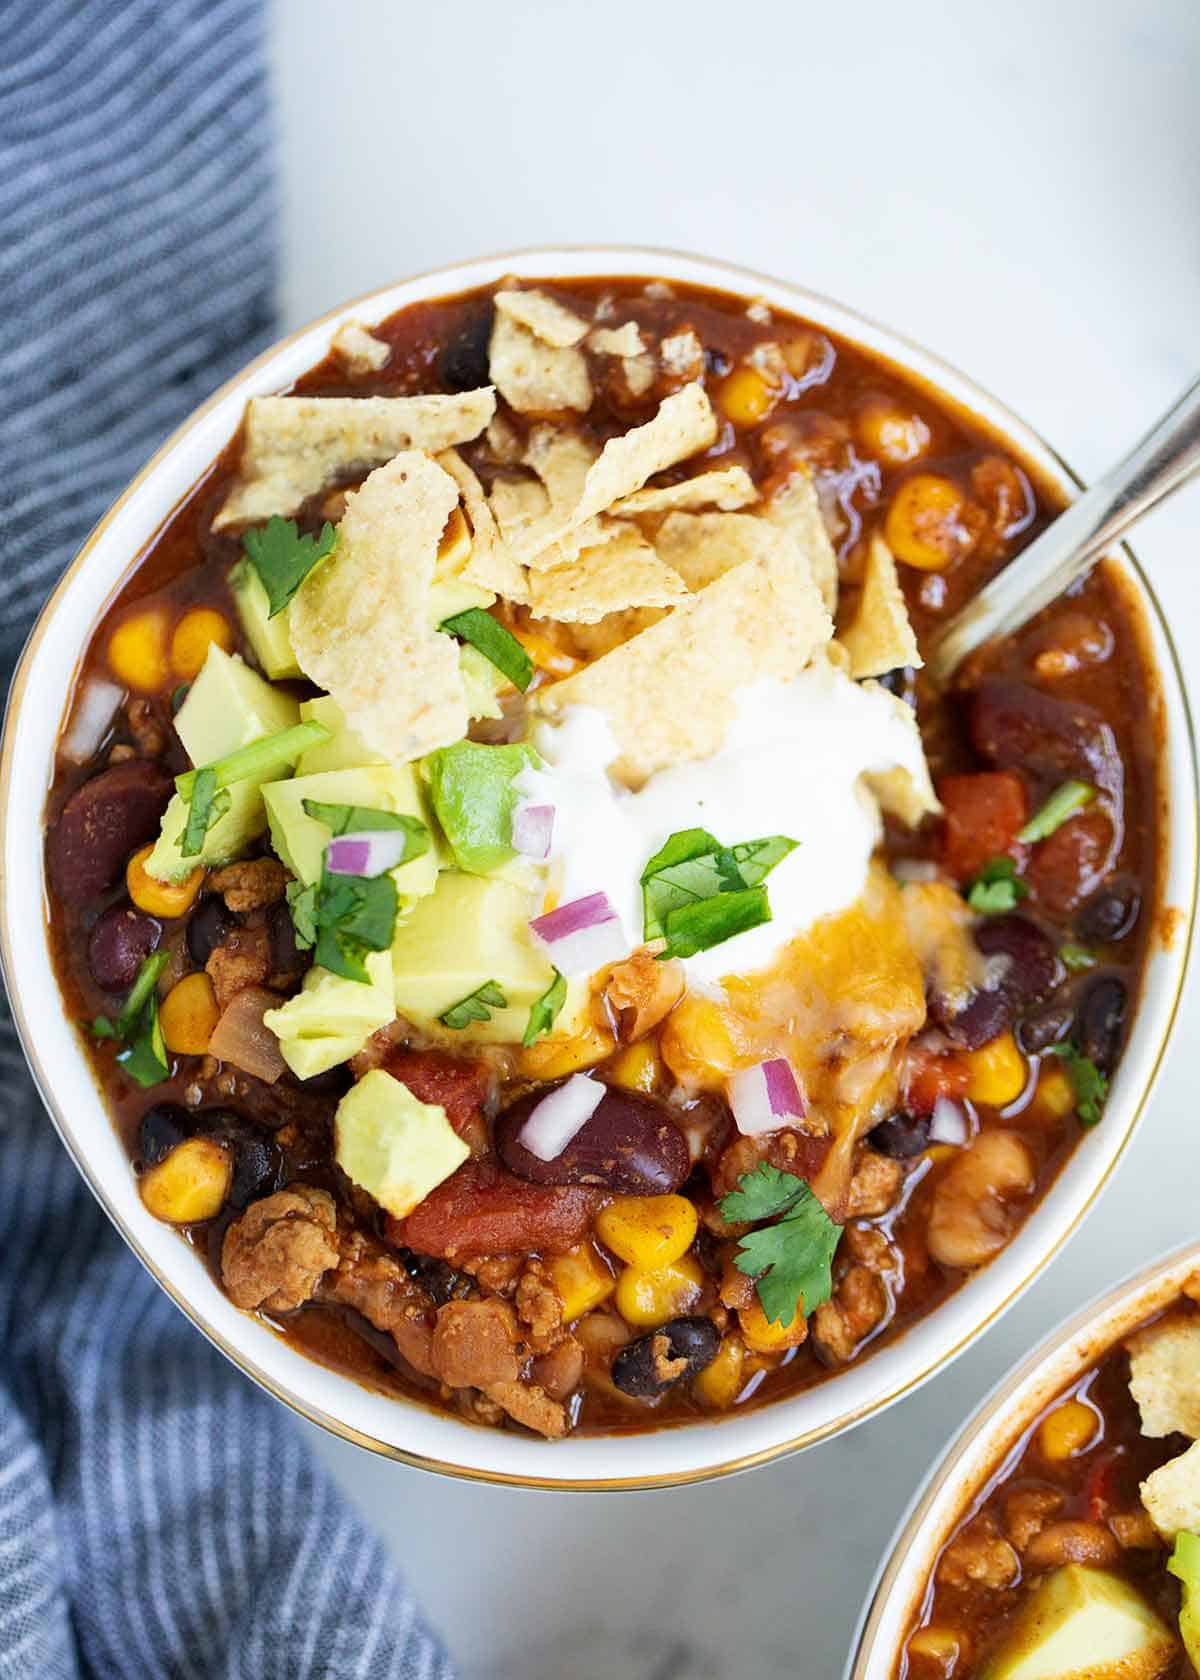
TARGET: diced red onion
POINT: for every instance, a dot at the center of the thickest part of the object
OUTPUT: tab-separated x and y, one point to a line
560	1116
533	830
369	853
948	1123
90	719
583	935
765	1097
915	869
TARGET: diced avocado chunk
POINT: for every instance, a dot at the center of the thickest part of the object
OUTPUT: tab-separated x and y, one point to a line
482	683
300	840
227	707
1083	1624
345	750
331	1018
449	596
1184	1564
471	786
394	1146
269	637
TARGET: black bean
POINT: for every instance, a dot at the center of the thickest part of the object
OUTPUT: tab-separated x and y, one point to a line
902	682
209	925
161	1129
1101	1018
286	956
1027	967
464	361
120	942
901	1136
1049	1024
437	1277
257	1167
1109	914
655	1362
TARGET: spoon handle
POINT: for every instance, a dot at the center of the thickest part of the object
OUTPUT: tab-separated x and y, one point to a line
1166	457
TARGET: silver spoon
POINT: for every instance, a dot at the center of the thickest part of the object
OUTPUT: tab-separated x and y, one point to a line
1166	457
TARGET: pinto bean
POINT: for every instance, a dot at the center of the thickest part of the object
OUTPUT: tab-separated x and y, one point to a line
120	942
1072	1542
1015	726
1101	1017
481	1209
655	1362
102	822
630	1144
972	1215
1110	914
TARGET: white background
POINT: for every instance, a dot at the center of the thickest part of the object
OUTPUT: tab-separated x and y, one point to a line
1019	187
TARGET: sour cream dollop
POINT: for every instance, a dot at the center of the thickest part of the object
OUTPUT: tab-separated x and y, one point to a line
791	764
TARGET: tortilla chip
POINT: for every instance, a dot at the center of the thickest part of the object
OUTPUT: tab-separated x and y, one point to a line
360	622
358	350
685	423
505	444
725	488
906	794
617	341
639	373
682	355
1164	1377
880	638
1171	1494
621	573
518	504
704	546
670	692
294	445
561	458
795	506
534	377
491	565
545	318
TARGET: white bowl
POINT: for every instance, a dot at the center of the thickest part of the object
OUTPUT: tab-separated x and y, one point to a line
985	1440
409	1431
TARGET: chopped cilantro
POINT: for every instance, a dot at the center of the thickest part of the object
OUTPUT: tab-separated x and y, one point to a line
144	1058
997	888
790	1260
283	558
302	902
1062	803
1076	957
145	1061
342	917
363	819
1088	1082
697	893
711	921
476	1006
545	1010
262	758
208	802
497	645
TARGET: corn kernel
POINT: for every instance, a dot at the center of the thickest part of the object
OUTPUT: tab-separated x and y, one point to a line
137	651
648	1231
924	525
583	1279
764	1336
697	1043
639	1067
650	1296
1069	1429
940	1646
193	636
997	1072
1055	1095
720	1383
188	1015
545	652
454	548
555	1058
889	433
160	898
191	1183
746	396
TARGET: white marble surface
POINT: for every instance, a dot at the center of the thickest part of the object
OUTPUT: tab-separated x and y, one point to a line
1014	185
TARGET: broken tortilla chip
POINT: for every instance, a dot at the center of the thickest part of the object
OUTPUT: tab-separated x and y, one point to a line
1171	1494
879	637
491	565
702	547
620	573
534	377
670	691
617	341
795	507
293	446
358	350
545	318
906	794
1164	1377
685	423
360	623
724	488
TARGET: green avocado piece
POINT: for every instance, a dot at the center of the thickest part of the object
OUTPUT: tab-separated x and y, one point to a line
1184	1564
228	706
269	637
395	1146
300	840
471	786
1083	1624
330	1018
345	749
482	683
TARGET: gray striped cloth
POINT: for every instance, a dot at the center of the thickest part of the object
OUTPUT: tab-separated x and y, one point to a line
158	1515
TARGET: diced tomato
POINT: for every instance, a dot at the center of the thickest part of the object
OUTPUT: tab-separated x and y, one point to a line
483	1209
1070	864
930	1076
1101	1491
459	1086
985	811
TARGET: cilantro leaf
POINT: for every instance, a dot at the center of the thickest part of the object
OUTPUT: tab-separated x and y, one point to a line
476	1006
363	819
341	917
755	859
1062	803
141	992
302	902
997	888
283	558
691	872
144	1057
497	645
207	804
683	871
1076	958
1088	1082
102	1027
791	1260
145	1061
711	921
545	1010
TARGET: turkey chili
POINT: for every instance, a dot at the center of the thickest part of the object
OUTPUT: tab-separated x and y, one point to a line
540	936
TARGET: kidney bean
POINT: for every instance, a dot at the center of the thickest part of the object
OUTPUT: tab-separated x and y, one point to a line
120	942
654	1363
1111	913
1030	970
102	822
1047	1025
901	1136
1015	726
161	1128
1101	1017
209	925
481	1209
1072	862
630	1144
